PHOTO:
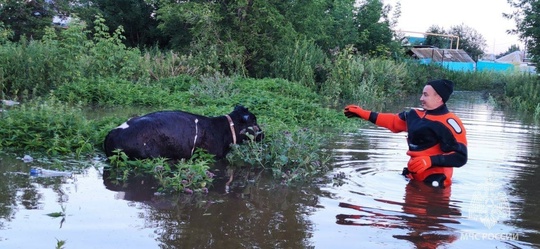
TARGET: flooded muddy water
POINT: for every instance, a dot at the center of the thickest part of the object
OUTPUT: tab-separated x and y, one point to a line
363	203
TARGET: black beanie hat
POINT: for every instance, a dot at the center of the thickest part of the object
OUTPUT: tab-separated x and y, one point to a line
443	87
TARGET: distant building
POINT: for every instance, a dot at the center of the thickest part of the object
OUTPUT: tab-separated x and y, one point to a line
453	59
459	60
61	21
515	61
412	41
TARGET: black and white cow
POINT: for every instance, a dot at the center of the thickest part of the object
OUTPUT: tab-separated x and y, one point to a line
176	134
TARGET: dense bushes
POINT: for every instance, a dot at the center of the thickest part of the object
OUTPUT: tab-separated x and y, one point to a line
522	92
112	92
63	57
66	60
47	126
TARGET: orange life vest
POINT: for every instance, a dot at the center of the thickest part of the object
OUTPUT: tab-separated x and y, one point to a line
437	133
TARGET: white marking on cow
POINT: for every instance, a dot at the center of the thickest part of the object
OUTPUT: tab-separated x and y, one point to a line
123	126
195	139
454	124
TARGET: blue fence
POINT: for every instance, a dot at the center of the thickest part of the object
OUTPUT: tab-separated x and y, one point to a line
451	65
483	66
494	66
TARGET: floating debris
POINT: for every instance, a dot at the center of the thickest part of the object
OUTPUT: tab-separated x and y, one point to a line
40	172
9	102
27	159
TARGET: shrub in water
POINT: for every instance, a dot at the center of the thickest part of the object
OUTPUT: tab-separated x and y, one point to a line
183	176
47	126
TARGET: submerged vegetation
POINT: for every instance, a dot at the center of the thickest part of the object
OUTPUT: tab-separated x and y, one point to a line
65	75
47	126
184	176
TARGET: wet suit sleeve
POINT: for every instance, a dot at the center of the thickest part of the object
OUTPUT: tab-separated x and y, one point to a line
393	122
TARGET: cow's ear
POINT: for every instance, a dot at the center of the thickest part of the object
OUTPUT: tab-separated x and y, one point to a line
240	108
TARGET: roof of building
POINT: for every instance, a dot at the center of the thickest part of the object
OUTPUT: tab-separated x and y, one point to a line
514	57
411	40
441	55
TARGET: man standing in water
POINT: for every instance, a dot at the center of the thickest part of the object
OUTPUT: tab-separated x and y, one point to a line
436	137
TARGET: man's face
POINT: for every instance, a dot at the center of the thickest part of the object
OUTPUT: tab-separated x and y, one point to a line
430	99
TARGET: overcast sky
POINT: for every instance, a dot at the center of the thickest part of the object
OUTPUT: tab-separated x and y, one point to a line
484	16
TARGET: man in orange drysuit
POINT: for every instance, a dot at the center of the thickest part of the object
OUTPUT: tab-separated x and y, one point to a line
436	137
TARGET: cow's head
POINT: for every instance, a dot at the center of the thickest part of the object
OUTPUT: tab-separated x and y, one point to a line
246	125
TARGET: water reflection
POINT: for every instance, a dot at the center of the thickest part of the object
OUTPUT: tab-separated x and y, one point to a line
527	185
424	214
430	211
258	220
256	212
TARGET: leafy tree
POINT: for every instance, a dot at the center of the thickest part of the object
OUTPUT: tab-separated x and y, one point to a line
26	18
61	7
395	15
435	40
233	34
209	31
137	17
470	40
243	36
526	14
329	23
5	33
375	35
510	50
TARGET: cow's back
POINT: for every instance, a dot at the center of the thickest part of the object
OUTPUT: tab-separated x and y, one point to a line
169	134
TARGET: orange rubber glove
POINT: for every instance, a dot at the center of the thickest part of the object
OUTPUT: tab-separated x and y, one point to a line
419	164
356	111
